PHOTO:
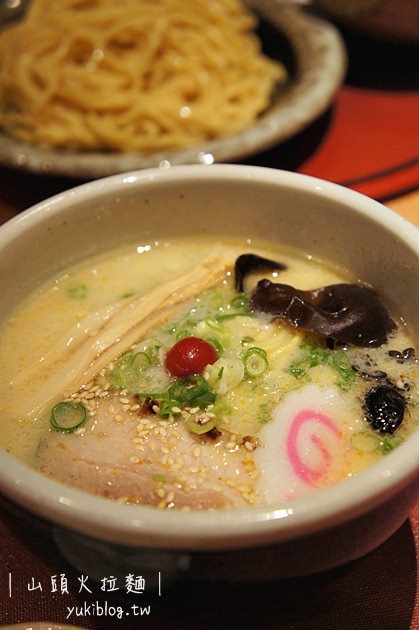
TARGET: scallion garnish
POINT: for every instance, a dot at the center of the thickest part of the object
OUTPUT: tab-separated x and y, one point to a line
255	362
240	302
68	415
192	391
200	424
140	361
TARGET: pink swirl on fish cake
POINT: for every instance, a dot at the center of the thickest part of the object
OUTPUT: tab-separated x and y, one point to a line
304	472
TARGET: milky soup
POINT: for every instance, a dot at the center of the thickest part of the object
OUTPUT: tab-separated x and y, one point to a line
197	375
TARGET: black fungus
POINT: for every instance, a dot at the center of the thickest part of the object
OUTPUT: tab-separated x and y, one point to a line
384	407
407	354
246	263
373	375
345	313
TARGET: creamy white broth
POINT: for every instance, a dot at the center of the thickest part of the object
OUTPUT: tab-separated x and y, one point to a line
251	428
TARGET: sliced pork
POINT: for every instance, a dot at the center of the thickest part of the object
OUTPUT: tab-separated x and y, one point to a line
135	457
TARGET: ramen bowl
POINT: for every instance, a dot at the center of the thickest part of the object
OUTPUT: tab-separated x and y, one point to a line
301	536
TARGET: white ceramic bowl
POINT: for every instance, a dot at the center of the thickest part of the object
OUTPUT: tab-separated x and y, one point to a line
311	533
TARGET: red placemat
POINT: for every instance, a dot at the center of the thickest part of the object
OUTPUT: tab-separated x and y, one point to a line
372	143
368	139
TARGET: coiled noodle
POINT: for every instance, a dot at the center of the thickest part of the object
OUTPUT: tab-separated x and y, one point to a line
132	75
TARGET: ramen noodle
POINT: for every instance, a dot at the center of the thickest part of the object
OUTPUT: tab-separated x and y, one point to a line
164	377
133	75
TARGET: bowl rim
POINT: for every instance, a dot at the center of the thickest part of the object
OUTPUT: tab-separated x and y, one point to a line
143	525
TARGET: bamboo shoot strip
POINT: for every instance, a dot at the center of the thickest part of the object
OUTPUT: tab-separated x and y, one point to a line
101	337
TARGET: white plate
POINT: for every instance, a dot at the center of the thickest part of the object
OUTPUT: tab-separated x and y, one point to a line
315	55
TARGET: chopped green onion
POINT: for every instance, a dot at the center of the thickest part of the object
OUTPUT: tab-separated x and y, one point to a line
211	328
313	356
265	412
240	301
224	374
182	334
212	323
169	408
224	316
141	360
77	291
364	441
193	391
199	424
255	362
67	416
159	478
388	444
217	345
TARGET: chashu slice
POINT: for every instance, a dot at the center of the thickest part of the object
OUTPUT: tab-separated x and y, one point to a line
125	454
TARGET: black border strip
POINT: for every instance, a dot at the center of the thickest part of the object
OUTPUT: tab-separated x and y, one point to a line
383	173
397	193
